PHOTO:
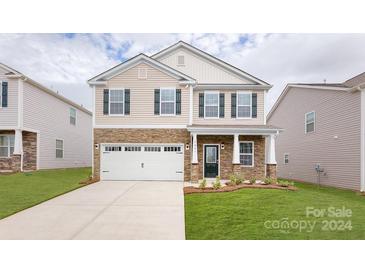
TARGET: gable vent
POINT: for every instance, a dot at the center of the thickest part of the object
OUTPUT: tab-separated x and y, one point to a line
181	60
142	73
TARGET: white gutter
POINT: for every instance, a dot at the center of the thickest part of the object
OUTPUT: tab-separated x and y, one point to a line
232	131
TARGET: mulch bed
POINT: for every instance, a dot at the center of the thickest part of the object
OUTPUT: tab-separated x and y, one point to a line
88	181
191	189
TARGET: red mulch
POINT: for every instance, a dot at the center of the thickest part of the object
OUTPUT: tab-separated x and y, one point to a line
191	189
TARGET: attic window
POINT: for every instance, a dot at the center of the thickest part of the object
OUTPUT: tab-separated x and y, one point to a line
181	60
142	73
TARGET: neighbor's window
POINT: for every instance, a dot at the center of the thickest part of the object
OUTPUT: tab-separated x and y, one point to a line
246	153
286	159
244	104
116	102
168	101
181	60
6	145
310	119
59	148
211	104
72	116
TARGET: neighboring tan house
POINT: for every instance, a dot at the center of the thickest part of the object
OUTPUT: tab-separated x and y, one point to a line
40	129
324	124
180	115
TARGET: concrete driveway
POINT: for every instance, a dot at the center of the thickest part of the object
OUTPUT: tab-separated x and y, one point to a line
105	210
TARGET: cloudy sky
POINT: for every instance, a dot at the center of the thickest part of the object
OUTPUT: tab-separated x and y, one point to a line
64	62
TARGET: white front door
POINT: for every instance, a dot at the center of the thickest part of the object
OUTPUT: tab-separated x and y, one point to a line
163	162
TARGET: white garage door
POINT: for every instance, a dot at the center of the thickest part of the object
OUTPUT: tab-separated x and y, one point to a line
142	162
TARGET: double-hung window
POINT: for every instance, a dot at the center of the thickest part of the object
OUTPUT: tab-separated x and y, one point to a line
247	153
1	94
211	104
116	102
6	145
59	148
310	120
286	158
167	101
244	104
72	116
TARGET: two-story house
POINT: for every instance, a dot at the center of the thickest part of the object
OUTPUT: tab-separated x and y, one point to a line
180	115
324	133
40	129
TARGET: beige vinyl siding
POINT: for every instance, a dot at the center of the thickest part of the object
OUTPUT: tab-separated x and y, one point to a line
50	116
227	120
9	115
142	98
202	69
337	114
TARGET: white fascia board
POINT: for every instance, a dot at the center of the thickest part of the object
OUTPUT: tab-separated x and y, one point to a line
232	86
140	126
97	83
141	58
232	131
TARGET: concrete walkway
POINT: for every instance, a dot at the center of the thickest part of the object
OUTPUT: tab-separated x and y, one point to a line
105	210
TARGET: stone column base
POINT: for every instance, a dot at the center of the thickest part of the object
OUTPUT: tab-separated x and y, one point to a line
15	163
237	169
271	171
194	173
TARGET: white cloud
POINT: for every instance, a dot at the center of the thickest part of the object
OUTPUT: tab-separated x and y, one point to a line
65	64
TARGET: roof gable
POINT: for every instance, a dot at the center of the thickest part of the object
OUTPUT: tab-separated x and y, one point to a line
139	59
221	69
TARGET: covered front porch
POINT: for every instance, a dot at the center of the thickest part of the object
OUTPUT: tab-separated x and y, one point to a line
246	151
18	150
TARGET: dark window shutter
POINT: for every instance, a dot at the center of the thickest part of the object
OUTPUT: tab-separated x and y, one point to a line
4	95
201	104
254	105
221	105
127	101
106	102
157	102
233	105
178	102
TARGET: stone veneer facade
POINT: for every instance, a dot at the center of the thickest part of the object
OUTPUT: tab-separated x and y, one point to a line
192	172
13	163
115	135
226	168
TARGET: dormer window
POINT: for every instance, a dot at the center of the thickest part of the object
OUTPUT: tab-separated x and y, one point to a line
181	60
142	73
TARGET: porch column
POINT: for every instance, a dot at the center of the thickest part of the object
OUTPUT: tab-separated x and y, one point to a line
194	159
236	150
18	142
271	157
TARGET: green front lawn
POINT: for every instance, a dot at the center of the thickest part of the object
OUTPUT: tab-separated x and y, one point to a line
23	190
276	214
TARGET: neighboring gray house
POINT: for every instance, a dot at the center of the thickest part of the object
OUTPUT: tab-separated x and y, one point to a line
323	124
40	129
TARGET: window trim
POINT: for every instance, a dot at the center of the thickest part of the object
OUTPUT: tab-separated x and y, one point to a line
123	114
237	105
168	88
71	116
205	104
253	153
9	146
286	154
314	122
63	148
